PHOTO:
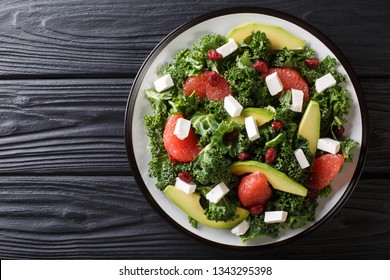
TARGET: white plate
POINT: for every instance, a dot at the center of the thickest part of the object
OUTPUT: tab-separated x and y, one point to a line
222	22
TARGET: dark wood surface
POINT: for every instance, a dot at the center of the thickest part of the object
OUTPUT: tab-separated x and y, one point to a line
66	189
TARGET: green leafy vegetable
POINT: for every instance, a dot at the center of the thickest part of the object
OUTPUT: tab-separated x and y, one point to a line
221	139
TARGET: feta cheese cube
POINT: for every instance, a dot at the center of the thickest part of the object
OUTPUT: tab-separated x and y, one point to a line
182	128
325	82
217	192
188	188
301	158
328	145
251	128
297	100
163	83
273	83
232	106
227	48
271	217
241	228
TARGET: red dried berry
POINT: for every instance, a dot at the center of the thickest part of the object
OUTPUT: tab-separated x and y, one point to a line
270	155
261	66
213	55
311	178
244	156
312	63
277	125
338	131
256	209
231	136
312	195
185	176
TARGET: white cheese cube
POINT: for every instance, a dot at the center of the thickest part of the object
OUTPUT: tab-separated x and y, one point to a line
328	145
241	228
273	83
227	48
297	100
188	188
325	82
163	83
301	158
182	128
251	128
271	217
232	106
217	192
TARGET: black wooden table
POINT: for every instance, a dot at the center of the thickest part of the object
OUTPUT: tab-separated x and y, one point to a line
66	189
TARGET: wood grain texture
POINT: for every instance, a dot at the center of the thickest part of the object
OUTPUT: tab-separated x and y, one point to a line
66	189
63	126
112	38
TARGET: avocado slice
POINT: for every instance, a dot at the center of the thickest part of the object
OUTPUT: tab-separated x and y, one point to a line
277	179
309	127
189	203
261	115
279	38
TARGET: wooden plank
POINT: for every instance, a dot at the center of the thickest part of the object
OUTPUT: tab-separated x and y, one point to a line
77	126
112	38
61	217
63	126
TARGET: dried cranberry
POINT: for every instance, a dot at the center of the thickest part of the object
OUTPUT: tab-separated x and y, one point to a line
312	63
185	176
311	178
213	79
270	155
277	125
231	135
213	55
338	131
256	209
261	67
244	156
312	195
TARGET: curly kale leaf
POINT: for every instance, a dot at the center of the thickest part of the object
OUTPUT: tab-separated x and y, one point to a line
346	147
258	46
329	65
223	210
211	167
260	228
283	112
247	85
291	58
154	125
204	124
184	104
186	63
301	210
334	105
286	161
193	222
209	42
166	174
325	192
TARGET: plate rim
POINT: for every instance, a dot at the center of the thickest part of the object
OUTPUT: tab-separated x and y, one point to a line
128	118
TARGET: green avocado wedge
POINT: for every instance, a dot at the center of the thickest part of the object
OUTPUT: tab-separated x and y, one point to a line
277	179
279	38
189	203
261	115
309	126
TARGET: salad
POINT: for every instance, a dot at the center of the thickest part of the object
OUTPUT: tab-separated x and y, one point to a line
246	137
